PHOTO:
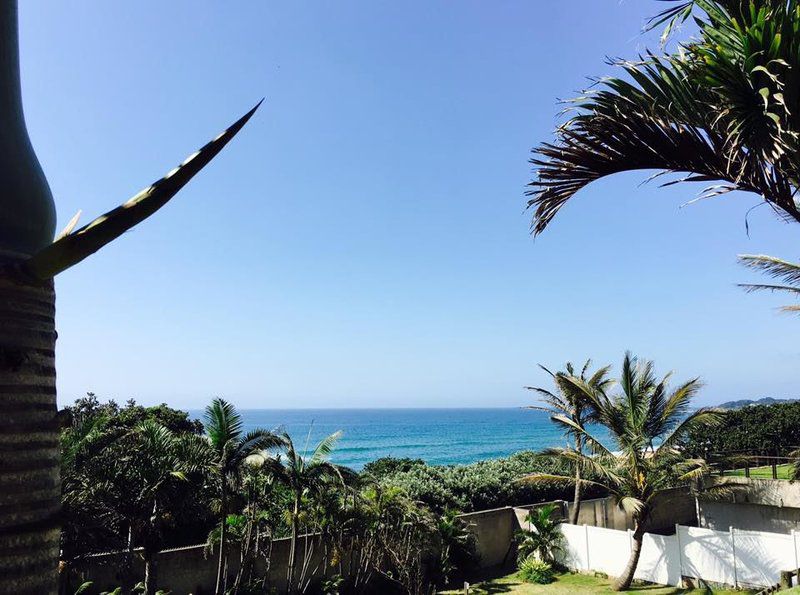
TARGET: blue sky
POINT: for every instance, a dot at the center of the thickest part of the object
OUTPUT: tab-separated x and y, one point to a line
363	243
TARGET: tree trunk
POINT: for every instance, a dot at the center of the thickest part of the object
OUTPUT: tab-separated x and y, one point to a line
576	502
624	580
223	530
150	572
30	486
292	548
30	490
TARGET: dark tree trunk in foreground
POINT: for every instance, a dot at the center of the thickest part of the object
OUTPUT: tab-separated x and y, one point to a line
30	491
624	580
150	573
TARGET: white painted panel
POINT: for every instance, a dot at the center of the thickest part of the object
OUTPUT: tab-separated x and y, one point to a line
609	550
574	547
707	555
760	557
660	560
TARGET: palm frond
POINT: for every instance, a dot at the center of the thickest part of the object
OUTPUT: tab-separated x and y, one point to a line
325	447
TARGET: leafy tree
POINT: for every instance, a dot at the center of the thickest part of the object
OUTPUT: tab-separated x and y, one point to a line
646	422
770	430
231	447
485	484
568	401
305	475
157	465
390	465
543	536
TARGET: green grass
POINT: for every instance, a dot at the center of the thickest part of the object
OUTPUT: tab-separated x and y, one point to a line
763	472
574	583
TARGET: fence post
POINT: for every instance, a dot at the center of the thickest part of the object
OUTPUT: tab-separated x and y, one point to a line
733	550
680	555
586	536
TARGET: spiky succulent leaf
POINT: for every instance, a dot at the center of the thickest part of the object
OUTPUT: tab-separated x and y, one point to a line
72	247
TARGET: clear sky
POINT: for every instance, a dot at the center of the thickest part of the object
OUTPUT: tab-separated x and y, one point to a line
363	242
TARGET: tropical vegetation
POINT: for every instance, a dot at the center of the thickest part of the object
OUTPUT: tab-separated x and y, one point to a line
567	401
542	537
721	108
753	431
646	421
140	479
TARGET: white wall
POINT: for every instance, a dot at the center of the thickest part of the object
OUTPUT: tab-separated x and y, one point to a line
738	558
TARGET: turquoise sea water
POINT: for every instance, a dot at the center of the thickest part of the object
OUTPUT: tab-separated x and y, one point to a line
438	436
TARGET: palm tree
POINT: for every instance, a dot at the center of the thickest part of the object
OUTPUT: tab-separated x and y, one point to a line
231	446
543	536
304	475
29	259
786	272
569	402
158	464
646	423
724	108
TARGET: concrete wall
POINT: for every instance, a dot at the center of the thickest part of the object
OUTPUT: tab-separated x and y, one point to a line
751	517
189	570
670	507
494	533
751	504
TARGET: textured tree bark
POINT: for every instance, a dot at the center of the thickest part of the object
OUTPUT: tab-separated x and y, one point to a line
576	502
30	490
624	580
150	573
293	547
220	587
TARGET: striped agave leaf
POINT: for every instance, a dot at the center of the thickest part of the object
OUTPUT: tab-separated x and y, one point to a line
72	247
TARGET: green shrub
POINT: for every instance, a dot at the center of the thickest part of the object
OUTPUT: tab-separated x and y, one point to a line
534	570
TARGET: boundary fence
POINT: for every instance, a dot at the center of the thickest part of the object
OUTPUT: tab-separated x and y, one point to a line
737	558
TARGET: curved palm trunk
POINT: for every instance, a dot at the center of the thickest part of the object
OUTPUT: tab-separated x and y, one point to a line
223	530
624	580
30	492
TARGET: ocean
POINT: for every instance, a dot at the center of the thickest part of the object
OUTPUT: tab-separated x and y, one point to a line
437	436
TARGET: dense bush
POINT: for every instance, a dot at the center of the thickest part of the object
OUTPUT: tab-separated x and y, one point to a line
753	430
478	486
534	570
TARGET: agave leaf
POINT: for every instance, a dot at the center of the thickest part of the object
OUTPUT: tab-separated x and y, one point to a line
71	248
70	226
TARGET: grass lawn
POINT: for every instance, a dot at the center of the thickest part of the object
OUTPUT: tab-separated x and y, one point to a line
574	583
763	472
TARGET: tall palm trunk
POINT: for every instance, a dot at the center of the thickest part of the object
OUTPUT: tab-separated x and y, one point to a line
150	572
30	487
624	580
293	547
223	531
30	492
576	501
